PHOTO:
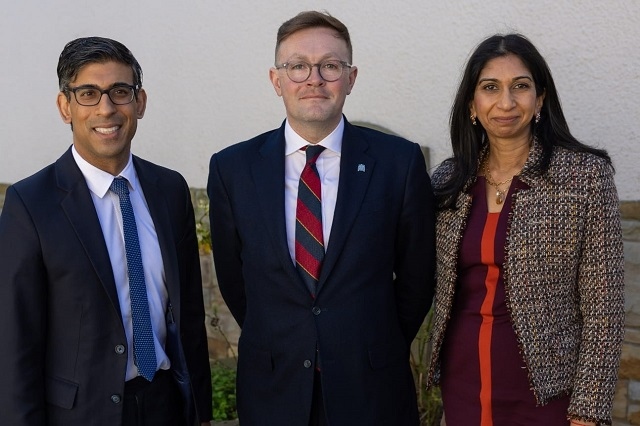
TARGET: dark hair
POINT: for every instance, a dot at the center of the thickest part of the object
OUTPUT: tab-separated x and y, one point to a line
313	19
87	50
467	140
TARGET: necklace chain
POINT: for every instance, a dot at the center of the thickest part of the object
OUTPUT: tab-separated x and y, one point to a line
499	192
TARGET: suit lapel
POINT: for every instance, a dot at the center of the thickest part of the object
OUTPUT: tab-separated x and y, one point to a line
80	210
157	203
267	171
356	168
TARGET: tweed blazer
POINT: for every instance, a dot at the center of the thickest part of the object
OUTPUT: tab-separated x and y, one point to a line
563	275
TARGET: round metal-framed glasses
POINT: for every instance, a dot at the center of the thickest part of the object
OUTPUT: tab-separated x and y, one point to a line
300	71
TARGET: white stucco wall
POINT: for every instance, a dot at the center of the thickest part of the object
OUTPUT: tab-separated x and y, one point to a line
206	67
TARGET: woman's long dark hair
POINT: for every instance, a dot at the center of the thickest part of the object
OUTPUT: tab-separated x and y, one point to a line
468	140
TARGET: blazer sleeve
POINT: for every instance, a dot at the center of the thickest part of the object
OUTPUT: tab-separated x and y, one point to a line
601	291
192	323
226	244
415	248
23	311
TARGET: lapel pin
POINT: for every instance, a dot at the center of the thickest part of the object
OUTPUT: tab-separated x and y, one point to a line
361	167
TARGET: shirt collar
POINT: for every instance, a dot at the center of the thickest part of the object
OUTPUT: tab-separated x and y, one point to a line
98	180
332	142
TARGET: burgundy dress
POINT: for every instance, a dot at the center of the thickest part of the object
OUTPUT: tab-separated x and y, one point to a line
484	377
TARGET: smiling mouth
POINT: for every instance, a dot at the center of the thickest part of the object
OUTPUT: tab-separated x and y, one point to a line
107	130
505	119
314	98
314	95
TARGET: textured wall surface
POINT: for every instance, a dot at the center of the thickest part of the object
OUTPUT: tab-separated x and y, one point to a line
626	407
206	71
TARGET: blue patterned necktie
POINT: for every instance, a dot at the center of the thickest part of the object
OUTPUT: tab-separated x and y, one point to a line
143	348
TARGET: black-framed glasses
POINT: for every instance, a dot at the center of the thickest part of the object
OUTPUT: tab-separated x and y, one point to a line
120	94
300	71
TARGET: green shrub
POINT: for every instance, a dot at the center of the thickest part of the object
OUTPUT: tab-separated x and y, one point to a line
429	401
223	381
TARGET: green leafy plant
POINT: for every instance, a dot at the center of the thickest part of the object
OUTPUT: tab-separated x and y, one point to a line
203	231
429	401
223	381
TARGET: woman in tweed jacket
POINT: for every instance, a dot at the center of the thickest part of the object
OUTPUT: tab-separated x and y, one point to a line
528	332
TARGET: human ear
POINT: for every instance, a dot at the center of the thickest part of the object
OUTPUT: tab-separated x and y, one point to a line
141	103
275	80
353	73
64	107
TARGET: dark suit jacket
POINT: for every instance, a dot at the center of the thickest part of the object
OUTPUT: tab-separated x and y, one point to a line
375	287
62	360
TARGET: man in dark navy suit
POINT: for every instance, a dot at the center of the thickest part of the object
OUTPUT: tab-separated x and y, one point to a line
69	316
326	260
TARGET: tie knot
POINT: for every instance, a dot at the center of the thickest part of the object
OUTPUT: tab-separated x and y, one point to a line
313	152
119	186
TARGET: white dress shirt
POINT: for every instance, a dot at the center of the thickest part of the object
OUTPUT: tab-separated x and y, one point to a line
107	205
328	166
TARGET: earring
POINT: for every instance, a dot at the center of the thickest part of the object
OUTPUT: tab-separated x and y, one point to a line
473	119
537	117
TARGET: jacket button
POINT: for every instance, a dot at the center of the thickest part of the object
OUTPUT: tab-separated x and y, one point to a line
119	349
316	310
115	398
307	363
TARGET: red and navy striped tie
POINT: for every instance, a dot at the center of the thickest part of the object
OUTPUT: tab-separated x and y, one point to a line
309	239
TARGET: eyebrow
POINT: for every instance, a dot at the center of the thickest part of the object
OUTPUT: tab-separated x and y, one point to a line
95	86
513	79
299	57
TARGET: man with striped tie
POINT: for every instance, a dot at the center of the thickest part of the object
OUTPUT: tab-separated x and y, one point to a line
323	241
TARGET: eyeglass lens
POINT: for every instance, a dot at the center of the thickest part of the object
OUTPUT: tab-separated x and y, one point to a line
329	70
89	96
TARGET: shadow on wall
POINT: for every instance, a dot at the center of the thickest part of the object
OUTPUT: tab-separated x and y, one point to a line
425	150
